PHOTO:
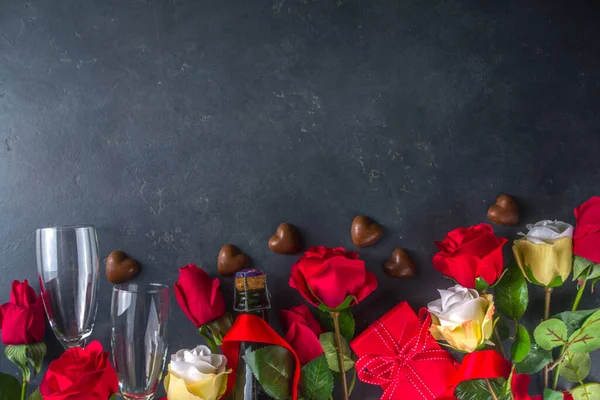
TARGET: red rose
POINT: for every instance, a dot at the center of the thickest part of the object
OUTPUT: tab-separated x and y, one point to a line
469	253
327	276
198	295
520	388
586	238
80	374
22	320
302	332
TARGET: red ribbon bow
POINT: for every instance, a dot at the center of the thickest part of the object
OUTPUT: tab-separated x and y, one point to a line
388	370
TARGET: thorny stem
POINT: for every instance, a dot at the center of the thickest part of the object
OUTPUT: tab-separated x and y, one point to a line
491	389
579	294
338	343
547	297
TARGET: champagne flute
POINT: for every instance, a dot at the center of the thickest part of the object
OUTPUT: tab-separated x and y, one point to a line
68	270
139	315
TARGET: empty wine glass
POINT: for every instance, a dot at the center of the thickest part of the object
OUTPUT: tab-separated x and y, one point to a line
139	315
68	270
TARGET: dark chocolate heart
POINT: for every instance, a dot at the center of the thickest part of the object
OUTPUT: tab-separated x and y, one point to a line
231	260
504	212
365	231
120	267
399	265
286	240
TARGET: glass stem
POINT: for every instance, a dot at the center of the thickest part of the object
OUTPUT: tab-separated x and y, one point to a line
338	343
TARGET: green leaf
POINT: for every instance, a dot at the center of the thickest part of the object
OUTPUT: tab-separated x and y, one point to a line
502	328
477	389
219	327
346	322
113	397
557	281
589	391
575	367
18	355
38	396
328	343
481	285
535	361
574	319
316	380
521	345
37	352
550	394
581	267
587	338
273	367
10	388
512	296
550	334
345	304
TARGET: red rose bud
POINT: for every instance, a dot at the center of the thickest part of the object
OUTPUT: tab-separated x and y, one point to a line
328	276
470	253
302	332
198	295
22	320
80	373
587	230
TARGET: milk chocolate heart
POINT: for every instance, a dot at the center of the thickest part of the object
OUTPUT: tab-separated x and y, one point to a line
231	260
400	265
504	212
365	231
120	267
286	240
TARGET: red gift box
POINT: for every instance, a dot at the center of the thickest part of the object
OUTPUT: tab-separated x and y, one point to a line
398	353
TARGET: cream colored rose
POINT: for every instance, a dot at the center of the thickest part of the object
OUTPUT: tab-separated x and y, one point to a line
196	374
546	252
462	318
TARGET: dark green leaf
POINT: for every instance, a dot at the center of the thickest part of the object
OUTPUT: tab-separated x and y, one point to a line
38	396
590	391
556	282
481	285
535	361
574	319
37	352
550	334
273	367
477	389
346	322
113	397
18	355
329	348
502	328
521	345
587	338
10	388
550	394
316	380
575	367
219	327
512	296
345	304
581	267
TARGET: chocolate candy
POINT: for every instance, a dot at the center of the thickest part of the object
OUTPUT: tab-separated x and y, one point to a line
120	267
504	212
231	260
400	265
286	240
365	231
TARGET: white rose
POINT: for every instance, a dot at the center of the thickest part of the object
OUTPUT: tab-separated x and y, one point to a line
547	231
197	364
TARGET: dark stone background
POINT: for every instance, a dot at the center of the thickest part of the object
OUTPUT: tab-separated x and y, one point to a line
176	126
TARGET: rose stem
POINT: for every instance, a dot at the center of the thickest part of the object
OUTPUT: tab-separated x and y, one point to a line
579	294
338	343
491	389
23	389
500	347
548	295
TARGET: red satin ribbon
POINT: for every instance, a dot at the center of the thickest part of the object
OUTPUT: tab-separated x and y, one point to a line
250	328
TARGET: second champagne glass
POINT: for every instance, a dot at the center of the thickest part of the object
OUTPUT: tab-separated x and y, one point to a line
139	315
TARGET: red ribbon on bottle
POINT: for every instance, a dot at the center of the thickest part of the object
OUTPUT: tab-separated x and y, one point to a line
250	328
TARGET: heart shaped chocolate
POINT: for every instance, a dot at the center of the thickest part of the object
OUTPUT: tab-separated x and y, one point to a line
120	267
286	240
505	211
365	231
231	260
399	265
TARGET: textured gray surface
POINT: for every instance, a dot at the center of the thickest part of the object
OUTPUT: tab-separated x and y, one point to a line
177	126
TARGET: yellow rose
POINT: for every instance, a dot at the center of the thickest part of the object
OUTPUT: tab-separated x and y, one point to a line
462	318
545	254
196	374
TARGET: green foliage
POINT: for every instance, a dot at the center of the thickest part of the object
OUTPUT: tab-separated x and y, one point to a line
18	355
587	338
575	367
574	319
590	391
521	345
535	361
10	388
550	334
273	367
511	294
316	380
38	396
557	281
345	304
37	352
502	328
550	394
477	389
346	321
481	285
328	343
581	267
